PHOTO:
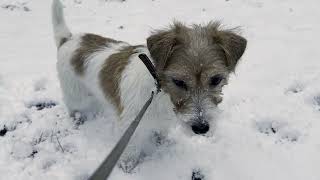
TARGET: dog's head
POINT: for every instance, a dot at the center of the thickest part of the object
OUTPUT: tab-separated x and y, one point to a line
193	64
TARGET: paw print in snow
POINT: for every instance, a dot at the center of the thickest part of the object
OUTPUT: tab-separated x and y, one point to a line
16	6
269	127
279	130
40	105
40	84
295	88
290	135
197	175
22	150
3	131
317	101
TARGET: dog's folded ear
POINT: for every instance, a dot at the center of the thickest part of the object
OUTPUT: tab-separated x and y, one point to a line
233	45
161	44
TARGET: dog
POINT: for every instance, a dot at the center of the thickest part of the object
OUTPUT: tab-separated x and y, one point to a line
193	64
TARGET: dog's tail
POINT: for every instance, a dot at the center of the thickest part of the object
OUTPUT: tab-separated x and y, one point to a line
60	29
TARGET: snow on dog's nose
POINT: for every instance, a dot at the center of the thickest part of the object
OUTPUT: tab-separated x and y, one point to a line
200	126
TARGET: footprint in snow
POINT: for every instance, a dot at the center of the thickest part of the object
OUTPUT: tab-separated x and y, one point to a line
33	153
290	135
3	131
16	6
197	175
278	129
295	88
40	105
317	101
40	84
22	150
268	127
82	176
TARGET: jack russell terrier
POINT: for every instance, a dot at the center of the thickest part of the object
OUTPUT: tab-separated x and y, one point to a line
193	64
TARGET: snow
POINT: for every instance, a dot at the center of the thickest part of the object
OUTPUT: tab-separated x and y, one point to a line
268	127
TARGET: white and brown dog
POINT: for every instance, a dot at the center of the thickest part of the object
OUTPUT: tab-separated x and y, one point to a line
193	64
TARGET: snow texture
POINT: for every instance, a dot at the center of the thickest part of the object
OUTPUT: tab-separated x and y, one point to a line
269	123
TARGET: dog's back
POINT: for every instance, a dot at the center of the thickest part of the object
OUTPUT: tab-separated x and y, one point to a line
94	70
80	59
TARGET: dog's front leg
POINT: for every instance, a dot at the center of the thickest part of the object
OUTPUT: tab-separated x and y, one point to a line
131	157
135	152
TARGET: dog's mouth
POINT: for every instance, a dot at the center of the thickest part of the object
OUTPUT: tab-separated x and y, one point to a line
198	122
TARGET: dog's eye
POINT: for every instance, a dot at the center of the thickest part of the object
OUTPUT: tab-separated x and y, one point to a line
216	80
180	84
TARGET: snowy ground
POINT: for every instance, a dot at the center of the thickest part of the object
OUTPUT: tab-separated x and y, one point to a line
269	127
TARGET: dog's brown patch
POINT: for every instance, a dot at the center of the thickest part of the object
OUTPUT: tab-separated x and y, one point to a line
110	74
89	44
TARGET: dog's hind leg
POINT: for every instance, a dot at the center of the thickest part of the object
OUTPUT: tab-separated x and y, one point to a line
80	103
79	100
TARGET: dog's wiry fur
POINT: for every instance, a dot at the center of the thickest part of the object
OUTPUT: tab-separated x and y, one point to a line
110	74
90	43
193	63
194	55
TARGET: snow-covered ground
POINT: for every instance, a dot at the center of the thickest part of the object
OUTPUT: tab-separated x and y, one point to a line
269	126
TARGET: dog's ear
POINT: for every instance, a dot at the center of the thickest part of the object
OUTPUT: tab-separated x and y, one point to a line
232	44
161	44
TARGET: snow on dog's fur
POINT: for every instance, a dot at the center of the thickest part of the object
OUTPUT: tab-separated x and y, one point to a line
193	64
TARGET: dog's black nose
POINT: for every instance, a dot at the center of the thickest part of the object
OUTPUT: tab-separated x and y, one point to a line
200	128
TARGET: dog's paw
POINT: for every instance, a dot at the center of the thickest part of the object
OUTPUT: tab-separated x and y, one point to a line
78	118
128	163
157	138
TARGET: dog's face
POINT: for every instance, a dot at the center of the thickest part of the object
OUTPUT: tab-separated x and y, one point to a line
193	65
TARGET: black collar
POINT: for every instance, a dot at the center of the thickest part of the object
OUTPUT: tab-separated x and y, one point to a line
147	62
